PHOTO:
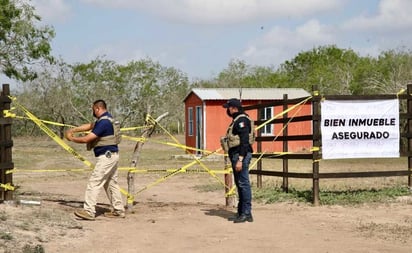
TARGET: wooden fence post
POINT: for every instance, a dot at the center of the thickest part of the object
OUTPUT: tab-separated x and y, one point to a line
285	184
259	151
316	143
147	132
6	144
408	134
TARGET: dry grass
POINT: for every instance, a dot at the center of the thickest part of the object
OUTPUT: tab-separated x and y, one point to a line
25	226
44	154
387	231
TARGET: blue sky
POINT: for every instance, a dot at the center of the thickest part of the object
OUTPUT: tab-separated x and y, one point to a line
200	37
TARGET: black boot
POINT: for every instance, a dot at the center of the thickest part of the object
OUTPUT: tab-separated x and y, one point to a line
244	218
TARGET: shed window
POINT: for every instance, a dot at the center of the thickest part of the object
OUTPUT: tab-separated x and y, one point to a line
266	114
190	121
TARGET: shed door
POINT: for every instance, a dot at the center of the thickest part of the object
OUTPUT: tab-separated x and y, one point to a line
199	130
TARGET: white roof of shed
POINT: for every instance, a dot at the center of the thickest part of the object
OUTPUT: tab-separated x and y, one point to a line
248	93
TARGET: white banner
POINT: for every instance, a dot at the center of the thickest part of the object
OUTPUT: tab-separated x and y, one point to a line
360	129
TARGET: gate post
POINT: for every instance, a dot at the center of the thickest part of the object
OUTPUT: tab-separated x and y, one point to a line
6	145
408	134
259	151
316	143
285	183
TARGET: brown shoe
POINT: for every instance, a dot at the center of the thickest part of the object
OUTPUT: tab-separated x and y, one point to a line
115	215
83	214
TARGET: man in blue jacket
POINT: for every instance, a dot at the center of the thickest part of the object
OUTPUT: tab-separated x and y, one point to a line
103	138
240	154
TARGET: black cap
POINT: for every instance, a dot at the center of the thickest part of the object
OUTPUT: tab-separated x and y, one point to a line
233	102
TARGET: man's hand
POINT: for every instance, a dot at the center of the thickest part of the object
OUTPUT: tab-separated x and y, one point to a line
238	166
69	134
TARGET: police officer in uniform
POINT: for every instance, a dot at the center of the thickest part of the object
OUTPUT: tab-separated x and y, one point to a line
240	154
103	139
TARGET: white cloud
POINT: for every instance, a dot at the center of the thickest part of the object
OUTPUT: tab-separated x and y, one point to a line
372	50
313	32
122	53
223	12
280	44
392	15
290	27
52	10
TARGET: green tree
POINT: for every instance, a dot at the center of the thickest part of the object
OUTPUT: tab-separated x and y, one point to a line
132	91
233	75
49	97
238	74
22	43
175	87
98	79
262	77
64	93
153	89
141	82
329	67
389	72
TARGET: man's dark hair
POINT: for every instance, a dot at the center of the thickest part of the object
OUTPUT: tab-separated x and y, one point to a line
100	103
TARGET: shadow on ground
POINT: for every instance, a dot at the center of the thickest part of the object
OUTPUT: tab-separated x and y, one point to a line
219	212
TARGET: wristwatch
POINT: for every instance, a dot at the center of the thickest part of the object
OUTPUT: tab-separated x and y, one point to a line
240	159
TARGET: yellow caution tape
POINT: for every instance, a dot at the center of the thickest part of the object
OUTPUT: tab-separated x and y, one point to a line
197	160
130	198
131	128
7	186
52	135
129	169
282	113
181	146
184	147
8	114
162	179
136	139
172	172
46	170
400	92
134	170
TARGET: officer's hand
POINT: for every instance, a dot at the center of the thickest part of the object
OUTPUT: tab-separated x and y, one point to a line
238	166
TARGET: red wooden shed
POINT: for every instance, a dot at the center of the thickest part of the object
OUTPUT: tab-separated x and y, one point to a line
206	120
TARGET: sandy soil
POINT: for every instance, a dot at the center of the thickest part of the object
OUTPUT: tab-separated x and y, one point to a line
175	216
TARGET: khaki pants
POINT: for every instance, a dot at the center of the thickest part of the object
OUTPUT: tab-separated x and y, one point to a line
104	175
